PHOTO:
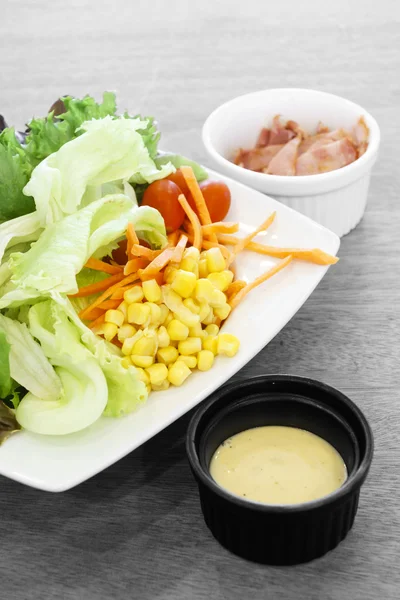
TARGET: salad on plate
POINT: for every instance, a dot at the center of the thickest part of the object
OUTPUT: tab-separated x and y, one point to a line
116	267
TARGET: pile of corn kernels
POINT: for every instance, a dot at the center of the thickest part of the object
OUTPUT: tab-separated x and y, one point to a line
168	330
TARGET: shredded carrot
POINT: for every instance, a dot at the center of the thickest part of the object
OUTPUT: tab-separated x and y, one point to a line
225	252
173	237
119	293
188	227
138	250
131	237
194	220
194	188
99	265
159	277
85	314
134	265
243	242
109	304
116	342
250	286
96	313
313	255
179	249
220	227
94	288
235	287
98	321
158	263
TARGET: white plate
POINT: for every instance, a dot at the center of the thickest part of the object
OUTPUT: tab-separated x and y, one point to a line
58	463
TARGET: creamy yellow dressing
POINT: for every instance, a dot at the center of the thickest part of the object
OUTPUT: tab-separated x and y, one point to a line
278	465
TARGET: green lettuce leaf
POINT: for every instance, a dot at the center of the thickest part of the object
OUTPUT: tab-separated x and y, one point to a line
15	170
84	388
25	228
8	422
5	377
27	362
109	150
179	161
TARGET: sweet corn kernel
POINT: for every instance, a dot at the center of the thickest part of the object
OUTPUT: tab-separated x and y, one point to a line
177	330
222	312
184	283
217	299
215	260
192	305
155	313
163	337
162	387
157	373
169	273
109	331
204	290
227	344
138	313
204	310
205	360
164	313
174	343
178	373
212	330
190	261
221	280
197	331
203	269
175	304
151	290
142	361
167	355
125	331
142	375
147	345
211	343
126	362
128	344
134	294
114	316
123	307
190	361
209	320
168	319
190	346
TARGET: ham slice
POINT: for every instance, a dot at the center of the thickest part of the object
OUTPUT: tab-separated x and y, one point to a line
360	136
335	155
284	162
263	138
257	159
297	130
321	128
279	134
321	139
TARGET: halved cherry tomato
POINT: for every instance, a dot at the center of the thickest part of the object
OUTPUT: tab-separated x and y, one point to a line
179	179
218	199
119	255
163	195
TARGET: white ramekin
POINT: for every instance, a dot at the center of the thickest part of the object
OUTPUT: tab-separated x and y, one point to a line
336	199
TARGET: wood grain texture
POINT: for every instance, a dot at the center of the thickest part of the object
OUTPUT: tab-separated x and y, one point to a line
135	530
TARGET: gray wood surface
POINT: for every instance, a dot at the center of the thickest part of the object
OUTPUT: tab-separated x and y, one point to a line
135	530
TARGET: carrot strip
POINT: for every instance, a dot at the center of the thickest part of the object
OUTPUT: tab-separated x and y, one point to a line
159	277
243	242
131	238
235	287
313	255
194	188
119	293
194	220
94	288
85	314
96	313
138	250
250	286
109	304
134	265
98	321
220	227
99	265
225	252
179	249
173	237
158	263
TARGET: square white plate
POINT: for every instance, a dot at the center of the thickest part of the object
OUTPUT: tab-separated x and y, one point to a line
58	463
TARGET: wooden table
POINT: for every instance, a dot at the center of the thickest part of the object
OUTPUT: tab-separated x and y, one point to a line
135	530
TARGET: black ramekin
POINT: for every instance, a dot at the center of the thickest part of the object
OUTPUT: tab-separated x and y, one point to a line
278	534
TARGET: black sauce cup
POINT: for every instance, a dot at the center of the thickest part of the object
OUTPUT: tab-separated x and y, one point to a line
280	534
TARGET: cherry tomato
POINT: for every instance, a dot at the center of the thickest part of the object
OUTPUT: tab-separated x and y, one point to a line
119	255
179	179
218	199
163	195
